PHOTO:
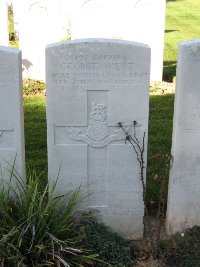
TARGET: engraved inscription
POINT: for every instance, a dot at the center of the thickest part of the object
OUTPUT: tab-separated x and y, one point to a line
96	69
192	119
97	132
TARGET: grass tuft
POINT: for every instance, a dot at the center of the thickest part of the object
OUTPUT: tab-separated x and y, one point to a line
38	228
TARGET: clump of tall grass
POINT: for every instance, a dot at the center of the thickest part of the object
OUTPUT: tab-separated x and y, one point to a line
38	228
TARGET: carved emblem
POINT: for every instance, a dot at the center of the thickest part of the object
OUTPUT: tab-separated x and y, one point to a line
97	132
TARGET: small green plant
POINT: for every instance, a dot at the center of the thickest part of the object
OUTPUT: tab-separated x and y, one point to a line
111	248
182	249
38	228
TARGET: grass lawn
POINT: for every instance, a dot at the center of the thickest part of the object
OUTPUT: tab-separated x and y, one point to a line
182	23
35	134
159	141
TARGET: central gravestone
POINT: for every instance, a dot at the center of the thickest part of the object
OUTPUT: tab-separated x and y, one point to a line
91	86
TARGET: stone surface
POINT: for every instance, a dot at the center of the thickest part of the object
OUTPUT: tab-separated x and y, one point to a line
38	23
11	113
184	185
92	85
4	23
134	20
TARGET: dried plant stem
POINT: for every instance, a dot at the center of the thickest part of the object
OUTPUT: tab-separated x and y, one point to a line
139	149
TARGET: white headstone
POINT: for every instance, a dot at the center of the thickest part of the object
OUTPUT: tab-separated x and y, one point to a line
184	184
38	26
11	113
134	20
4	38
91	86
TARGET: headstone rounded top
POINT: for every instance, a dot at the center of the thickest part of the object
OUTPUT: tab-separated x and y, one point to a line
9	49
98	40
190	42
190	49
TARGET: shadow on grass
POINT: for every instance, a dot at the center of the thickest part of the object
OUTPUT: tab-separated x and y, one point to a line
35	135
168	31
159	141
169	70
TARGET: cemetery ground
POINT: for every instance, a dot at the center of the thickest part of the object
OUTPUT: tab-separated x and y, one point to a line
178	250
182	249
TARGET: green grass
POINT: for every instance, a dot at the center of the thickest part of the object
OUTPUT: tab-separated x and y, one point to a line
159	141
35	133
182	23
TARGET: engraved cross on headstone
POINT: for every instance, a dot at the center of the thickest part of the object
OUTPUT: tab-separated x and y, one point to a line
97	135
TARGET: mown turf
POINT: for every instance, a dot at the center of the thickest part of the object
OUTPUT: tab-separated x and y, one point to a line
35	133
159	141
182	23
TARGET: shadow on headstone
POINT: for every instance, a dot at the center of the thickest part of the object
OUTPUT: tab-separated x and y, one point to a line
26	64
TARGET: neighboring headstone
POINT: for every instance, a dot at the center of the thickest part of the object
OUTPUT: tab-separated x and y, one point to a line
93	84
11	113
38	26
184	184
134	20
4	36
65	11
